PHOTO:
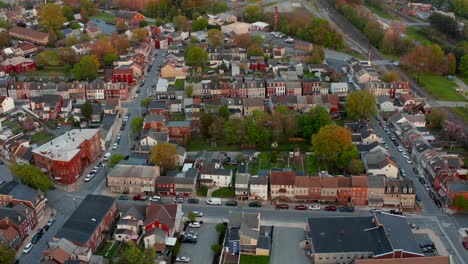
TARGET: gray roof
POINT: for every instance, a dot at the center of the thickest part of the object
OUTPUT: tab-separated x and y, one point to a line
242	168
242	178
155	118
368	147
258	180
264	242
134	213
157	105
458	186
81	225
347	234
375	181
398	232
133	171
192	173
178	124
20	192
210	169
158	136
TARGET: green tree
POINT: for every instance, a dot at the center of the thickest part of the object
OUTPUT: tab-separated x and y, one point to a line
460	203
67	12
216	249
189	91
51	16
223	112
130	253
4	24
192	216
139	34
391	76
71	40
137	124
52	36
331	141
146	102
461	7
121	26
259	39
31	176
148	257
87	68
215	37
253	132
463	66
253	13
206	119
180	23
49	58
110	58
196	56
87	110
4	39
254	50
360	105
317	55
115	159
436	118
7	254
311	122
234	131
163	155
200	24
221	228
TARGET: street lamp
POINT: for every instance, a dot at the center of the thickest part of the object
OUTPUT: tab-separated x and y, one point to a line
74	201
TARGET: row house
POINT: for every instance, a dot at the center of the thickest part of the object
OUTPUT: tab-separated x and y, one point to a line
181	184
162	221
255	88
214	175
123	74
392	89
116	90
47	106
311	86
37	89
129	225
378	163
293	88
133	179
13	193
275	87
362	71
400	193
7	83
19	216
95	90
30	35
282	185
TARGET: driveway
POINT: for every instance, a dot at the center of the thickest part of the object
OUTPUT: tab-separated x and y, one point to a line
201	251
286	248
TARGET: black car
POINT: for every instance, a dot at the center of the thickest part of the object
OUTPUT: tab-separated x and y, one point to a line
346	209
127	157
421	180
415	170
396	212
37	237
231	203
122	128
396	143
1	162
255	204
193	200
188	239
417	198
438	202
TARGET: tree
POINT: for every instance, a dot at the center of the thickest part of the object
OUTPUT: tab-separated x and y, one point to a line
137	124
139	34
311	122
453	130
460	7
234	131
87	68
31	176
254	50
7	254
189	91
120	43
120	26
221	228
71	40
444	23
206	119
317	55
192	216
67	12
67	55
180	23
85	37
102	47
84	15
360	105
130	253
4	39
51	16
428	58
463	66
460	203
163	155
87	110
253	13
145	102
200	24
196	56
216	249
391	76
451	64
148	257
331	141
243	41
49	58
223	112
436	118
115	159
52	36
215	37
110	58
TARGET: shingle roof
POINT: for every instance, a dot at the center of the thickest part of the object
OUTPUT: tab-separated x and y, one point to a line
164	213
20	191
133	171
81	225
282	177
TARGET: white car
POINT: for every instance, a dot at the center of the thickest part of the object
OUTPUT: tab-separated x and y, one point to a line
89	177
427	187
136	95
400	148
155	198
289	40
198	213
195	225
314	207
408	161
183	259
115	146
27	248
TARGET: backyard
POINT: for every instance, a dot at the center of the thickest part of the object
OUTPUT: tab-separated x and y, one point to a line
249	259
274	159
104	16
41	138
223	193
440	87
179	85
109	249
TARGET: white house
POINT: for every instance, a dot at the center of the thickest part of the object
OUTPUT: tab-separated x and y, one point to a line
242	181
151	138
258	187
385	104
340	88
129	225
161	86
6	104
260	26
377	163
214	175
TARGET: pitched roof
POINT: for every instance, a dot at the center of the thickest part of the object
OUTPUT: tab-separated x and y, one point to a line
378	159
308	182
134	171
9	233
283	177
359	181
81	225
164	213
375	181
33	34
329	182
20	192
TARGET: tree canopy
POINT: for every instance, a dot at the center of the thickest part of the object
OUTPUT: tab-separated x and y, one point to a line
254	50
360	105
200	24
196	56
87	68
215	37
139	34
163	155
311	122
51	16
7	254
137	124
115	159
145	102
31	176
87	110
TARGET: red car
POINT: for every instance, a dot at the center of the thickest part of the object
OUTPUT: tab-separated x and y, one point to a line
330	208
139	197
282	206
300	207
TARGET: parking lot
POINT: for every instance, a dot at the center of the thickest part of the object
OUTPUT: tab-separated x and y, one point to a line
201	251
286	247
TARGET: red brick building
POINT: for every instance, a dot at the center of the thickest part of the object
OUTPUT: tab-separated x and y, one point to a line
91	222
344	191
27	34
20	217
165	185
122	75
66	157
257	63
116	90
47	106
18	65
359	195
178	130
311	86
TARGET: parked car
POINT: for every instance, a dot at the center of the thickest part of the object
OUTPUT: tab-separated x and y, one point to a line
396	212
89	177
193	200
415	170
403	173
346	209
255	204
282	206
183	259
231	203
314	207
139	197
417	198
179	199
330	208
422	180
27	248
195	225
198	213
400	148
427	187
155	198
189	239
37	237
126	157
115	146
123	197
300	207
51	221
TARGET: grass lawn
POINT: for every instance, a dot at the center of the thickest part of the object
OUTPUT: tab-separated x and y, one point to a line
201	143
313	166
202	191
177	117
109	250
413	33
380	12
441	87
41	138
104	16
464	79
224	192
179	84
249	259
461	111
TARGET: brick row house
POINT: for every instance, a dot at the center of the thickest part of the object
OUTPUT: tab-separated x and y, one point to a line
30	35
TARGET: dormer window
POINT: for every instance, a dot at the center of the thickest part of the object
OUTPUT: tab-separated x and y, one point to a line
404	190
389	190
396	189
410	190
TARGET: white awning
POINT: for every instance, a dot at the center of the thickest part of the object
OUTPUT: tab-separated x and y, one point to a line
171	241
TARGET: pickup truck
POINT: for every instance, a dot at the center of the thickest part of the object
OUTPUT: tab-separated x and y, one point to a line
139	197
